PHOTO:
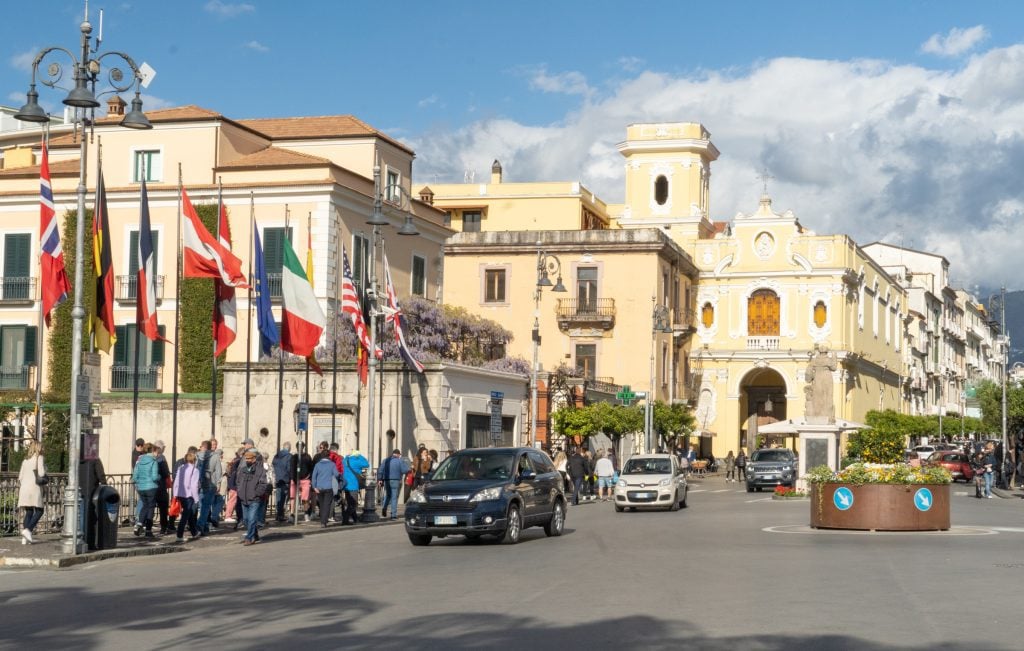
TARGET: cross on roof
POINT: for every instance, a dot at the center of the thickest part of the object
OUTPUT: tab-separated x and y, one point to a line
764	177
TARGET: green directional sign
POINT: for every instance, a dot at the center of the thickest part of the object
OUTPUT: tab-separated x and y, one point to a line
626	395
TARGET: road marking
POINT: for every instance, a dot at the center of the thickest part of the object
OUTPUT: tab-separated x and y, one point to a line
760	499
698	490
1007	529
722	490
953	531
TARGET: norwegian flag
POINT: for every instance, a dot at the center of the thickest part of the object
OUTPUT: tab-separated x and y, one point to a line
53	278
350	303
395	318
225	309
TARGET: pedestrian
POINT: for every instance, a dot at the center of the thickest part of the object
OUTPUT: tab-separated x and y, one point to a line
560	462
978	466
730	467
251	484
216	477
30	490
355	481
591	479
186	491
282	461
138	450
604	470
299	471
741	466
203	462
989	469
389	477
324	479
146	476
233	510
577	469
433	459
421	468
163	484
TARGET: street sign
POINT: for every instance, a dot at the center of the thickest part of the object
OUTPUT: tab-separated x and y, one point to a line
843	498
97	422
626	395
923	499
83	393
497	395
303	416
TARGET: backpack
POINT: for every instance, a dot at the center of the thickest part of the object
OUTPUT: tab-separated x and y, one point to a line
204	474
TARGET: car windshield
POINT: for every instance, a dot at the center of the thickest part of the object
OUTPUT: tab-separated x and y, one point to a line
772	455
647	467
468	465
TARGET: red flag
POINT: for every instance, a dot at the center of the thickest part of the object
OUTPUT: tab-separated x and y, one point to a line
53	277
225	311
204	256
145	307
362	363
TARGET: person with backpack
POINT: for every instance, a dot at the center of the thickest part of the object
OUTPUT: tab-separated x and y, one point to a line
146	475
282	460
355	481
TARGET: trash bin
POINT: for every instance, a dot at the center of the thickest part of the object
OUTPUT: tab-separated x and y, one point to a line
106	503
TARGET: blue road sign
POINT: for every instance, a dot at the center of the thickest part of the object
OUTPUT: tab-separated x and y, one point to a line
923	499
497	395
842	498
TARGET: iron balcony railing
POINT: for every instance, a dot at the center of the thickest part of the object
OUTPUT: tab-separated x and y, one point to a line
596	312
17	377
274	285
17	289
127	289
122	378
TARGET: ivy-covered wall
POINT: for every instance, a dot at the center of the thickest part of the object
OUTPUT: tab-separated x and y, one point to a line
195	352
59	362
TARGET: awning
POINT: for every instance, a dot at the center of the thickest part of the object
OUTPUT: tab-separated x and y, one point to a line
703	433
795	425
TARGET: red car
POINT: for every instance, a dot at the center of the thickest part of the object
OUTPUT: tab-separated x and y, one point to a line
957	463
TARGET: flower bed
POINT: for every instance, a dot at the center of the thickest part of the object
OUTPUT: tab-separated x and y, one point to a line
880	497
788	493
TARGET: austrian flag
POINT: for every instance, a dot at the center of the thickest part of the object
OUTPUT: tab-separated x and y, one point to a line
204	256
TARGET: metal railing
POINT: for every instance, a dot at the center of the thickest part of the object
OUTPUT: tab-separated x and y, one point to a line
17	289
17	377
584	309
122	378
127	290
274	286
684	318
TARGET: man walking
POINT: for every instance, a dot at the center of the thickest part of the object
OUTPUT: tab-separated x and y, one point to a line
282	460
389	476
251	484
604	470
203	461
578	468
325	478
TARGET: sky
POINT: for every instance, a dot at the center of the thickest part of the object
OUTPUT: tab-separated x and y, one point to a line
897	121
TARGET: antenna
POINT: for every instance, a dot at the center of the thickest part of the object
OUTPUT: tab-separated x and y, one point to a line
99	36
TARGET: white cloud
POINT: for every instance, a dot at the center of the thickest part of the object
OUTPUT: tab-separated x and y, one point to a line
23	60
955	42
228	9
630	64
568	83
153	103
256	46
929	157
427	101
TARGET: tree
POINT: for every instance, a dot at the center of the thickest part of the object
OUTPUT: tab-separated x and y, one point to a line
672	422
990	396
575	423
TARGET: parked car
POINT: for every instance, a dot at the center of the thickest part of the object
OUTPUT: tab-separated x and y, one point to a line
771	467
488	491
924	451
957	463
651	480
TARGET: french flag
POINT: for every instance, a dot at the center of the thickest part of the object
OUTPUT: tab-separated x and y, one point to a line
145	312
54	278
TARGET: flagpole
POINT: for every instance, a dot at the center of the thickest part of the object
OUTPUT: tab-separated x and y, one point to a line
309	245
138	312
280	362
177	325
216	298
248	334
334	338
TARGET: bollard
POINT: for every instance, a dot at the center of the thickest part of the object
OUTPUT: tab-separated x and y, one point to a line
369	503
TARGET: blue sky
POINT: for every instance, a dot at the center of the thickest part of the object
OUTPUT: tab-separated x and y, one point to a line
891	120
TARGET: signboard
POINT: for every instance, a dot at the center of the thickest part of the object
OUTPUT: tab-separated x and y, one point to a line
923	499
497	397
83	393
843	498
626	395
303	416
97	422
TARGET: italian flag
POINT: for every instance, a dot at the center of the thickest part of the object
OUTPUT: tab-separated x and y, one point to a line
302	319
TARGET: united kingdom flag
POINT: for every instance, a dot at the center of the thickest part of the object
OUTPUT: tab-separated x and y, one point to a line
53	278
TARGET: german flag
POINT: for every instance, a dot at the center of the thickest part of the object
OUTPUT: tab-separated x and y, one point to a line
103	308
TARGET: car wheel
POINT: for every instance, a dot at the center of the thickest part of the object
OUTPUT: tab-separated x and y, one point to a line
555	525
674	506
619	509
514	528
683	503
420	540
750	489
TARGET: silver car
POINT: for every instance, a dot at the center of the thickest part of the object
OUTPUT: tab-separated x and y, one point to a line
651	481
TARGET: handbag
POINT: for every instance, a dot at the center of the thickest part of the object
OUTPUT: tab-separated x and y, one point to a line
40	481
174	510
409	478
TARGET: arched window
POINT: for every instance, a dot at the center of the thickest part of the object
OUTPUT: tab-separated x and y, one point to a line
661	190
763	314
820	314
707	315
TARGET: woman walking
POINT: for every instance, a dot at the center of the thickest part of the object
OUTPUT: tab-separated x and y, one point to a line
30	492
730	467
422	467
186	491
146	475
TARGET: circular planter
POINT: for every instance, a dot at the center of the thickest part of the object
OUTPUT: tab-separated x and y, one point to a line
880	507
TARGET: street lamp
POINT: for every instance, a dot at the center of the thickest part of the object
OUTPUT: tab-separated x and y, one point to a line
547	265
408	228
86	69
1004	345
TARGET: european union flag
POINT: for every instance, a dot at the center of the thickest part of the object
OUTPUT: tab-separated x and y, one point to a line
264	315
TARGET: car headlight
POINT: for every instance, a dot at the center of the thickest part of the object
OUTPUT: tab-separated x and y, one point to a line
486	494
621	482
665	482
417	496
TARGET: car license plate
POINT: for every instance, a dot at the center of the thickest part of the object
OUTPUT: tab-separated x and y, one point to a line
769	476
647	494
445	520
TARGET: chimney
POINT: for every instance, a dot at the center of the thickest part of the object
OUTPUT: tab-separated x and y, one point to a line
115	106
495	173
427	196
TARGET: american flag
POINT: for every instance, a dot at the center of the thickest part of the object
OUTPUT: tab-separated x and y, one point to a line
55	285
350	302
395	317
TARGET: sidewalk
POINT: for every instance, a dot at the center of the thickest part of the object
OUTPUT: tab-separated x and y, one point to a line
46	552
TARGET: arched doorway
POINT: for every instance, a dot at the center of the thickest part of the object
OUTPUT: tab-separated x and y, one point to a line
763	401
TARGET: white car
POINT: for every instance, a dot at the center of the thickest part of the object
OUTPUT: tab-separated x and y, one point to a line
651	481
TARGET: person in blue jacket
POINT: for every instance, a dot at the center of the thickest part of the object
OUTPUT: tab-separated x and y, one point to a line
325	474
389	477
145	475
355	470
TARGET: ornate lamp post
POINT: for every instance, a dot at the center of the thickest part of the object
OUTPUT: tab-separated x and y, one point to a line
547	265
377	219
86	70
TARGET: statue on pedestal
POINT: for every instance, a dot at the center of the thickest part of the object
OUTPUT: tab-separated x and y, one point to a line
820	405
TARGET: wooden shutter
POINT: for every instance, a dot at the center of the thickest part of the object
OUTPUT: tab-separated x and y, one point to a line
121	346
156	357
17	248
133	253
31	333
273	249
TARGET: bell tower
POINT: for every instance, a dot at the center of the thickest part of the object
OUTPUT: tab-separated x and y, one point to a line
668	178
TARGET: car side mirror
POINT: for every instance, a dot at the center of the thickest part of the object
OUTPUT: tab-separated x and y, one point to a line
527	475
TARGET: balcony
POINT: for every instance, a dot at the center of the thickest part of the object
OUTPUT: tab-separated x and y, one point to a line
122	378
762	343
684	321
17	290
126	289
594	313
274	285
17	377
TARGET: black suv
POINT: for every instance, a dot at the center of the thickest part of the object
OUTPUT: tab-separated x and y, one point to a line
488	491
771	467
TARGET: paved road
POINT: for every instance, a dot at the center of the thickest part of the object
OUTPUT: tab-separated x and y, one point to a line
713	576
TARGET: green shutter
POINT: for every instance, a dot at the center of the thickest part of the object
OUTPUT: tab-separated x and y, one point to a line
273	249
133	253
156	357
31	332
17	255
121	346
